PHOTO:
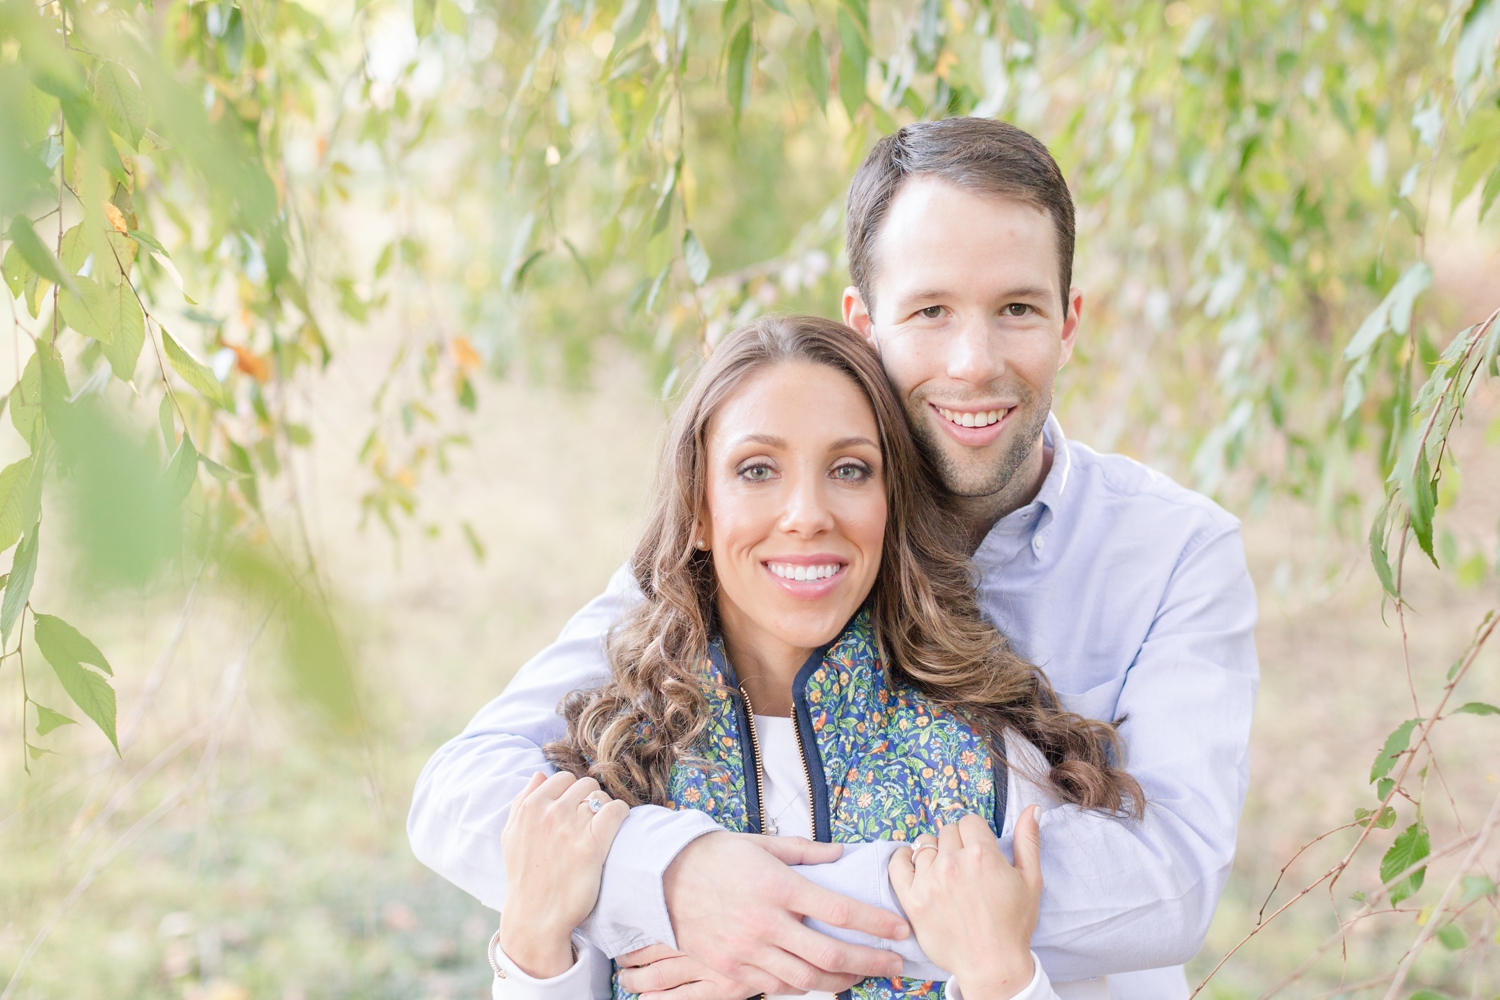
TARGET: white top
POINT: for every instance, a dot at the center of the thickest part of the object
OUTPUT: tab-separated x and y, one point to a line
1130	591
786	802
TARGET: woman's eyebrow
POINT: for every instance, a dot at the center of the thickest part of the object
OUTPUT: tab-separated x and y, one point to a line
850	442
766	439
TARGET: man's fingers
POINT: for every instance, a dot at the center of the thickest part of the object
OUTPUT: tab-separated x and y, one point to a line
840	911
831	962
799	850
647	955
1028	847
665	974
703	989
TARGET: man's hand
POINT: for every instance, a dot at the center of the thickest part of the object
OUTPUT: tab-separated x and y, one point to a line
736	907
659	973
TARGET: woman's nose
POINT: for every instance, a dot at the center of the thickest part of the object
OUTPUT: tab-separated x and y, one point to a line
807	511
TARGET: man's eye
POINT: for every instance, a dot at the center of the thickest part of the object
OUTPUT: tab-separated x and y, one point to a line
757	473
851	473
932	312
1017	309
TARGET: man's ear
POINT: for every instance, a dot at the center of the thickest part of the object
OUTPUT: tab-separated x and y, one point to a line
1070	325
857	316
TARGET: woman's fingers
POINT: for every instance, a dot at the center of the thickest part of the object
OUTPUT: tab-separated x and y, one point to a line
606	822
902	871
531	786
923	853
575	793
949	838
1028	848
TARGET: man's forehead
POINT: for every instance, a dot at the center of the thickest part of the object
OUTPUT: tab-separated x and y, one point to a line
939	238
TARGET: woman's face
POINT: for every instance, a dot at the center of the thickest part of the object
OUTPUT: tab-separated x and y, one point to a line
796	504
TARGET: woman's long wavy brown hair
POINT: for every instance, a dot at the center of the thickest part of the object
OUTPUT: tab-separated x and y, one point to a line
629	733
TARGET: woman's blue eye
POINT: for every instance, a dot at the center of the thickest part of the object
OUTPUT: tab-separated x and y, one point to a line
851	473
757	473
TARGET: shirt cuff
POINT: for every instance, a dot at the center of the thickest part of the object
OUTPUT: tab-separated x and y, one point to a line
632	908
513	984
1040	987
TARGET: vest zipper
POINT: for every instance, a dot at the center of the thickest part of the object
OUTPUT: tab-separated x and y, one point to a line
756	764
812	810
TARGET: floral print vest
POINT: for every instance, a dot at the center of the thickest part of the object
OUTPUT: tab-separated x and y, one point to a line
883	762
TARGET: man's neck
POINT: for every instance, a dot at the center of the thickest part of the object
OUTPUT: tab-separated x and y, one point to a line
978	515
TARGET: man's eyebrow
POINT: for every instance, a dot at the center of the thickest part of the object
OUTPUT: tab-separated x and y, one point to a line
1023	292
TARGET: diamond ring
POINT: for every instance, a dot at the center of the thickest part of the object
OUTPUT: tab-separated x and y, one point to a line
923	847
595	804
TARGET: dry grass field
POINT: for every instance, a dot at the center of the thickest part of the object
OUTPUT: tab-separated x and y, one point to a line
239	850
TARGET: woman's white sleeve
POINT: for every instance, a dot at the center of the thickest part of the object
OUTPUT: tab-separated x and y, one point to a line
1040	987
588	979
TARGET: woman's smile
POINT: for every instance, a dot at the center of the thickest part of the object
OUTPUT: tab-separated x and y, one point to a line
807	577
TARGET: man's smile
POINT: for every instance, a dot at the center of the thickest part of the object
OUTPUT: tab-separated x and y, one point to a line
973	427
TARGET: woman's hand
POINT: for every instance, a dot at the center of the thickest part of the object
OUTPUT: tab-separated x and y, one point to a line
555	845
972	911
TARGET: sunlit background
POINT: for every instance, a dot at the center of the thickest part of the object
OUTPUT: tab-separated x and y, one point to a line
415	287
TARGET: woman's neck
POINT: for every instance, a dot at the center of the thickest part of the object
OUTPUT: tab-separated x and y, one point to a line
765	666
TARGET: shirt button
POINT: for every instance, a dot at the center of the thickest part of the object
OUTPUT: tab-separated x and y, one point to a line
1040	544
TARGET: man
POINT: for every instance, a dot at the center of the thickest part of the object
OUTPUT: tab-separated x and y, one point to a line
1129	591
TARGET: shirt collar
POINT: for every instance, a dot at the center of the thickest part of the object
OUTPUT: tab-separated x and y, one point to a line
1027	526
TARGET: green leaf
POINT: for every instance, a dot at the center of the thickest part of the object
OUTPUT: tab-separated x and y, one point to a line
741	69
1429	995
48	720
853	58
815	64
1423	503
88	310
16	271
1378	555
25	240
18	585
779	6
1395	746
195	373
1394	311
68	651
1476	708
1476	887
1452	937
14	482
122	102
26	397
422	16
696	258
1487	197
1408	848
149	242
37	753
123	349
182	471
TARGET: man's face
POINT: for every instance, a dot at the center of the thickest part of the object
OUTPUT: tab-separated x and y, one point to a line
969	322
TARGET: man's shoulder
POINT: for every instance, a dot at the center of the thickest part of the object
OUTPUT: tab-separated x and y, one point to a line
1124	490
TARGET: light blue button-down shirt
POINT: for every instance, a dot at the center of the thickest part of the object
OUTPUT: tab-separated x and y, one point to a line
1130	591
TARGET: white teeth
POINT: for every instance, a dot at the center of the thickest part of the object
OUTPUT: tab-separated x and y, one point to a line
804	573
971	419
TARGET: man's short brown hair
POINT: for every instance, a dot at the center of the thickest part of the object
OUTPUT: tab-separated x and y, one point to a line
979	154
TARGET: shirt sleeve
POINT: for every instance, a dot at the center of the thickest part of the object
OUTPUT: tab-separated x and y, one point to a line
1124	895
1040	987
463	795
587	979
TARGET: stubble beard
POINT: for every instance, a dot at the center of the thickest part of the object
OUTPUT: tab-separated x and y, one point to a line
977	478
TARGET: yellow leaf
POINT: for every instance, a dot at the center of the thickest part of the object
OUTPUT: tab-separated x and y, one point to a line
116	218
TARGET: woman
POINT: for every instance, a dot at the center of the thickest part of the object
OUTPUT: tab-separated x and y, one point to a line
809	659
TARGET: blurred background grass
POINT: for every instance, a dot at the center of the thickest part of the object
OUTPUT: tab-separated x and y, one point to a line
241	850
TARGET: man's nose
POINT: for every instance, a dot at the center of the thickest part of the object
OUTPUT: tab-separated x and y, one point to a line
972	354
